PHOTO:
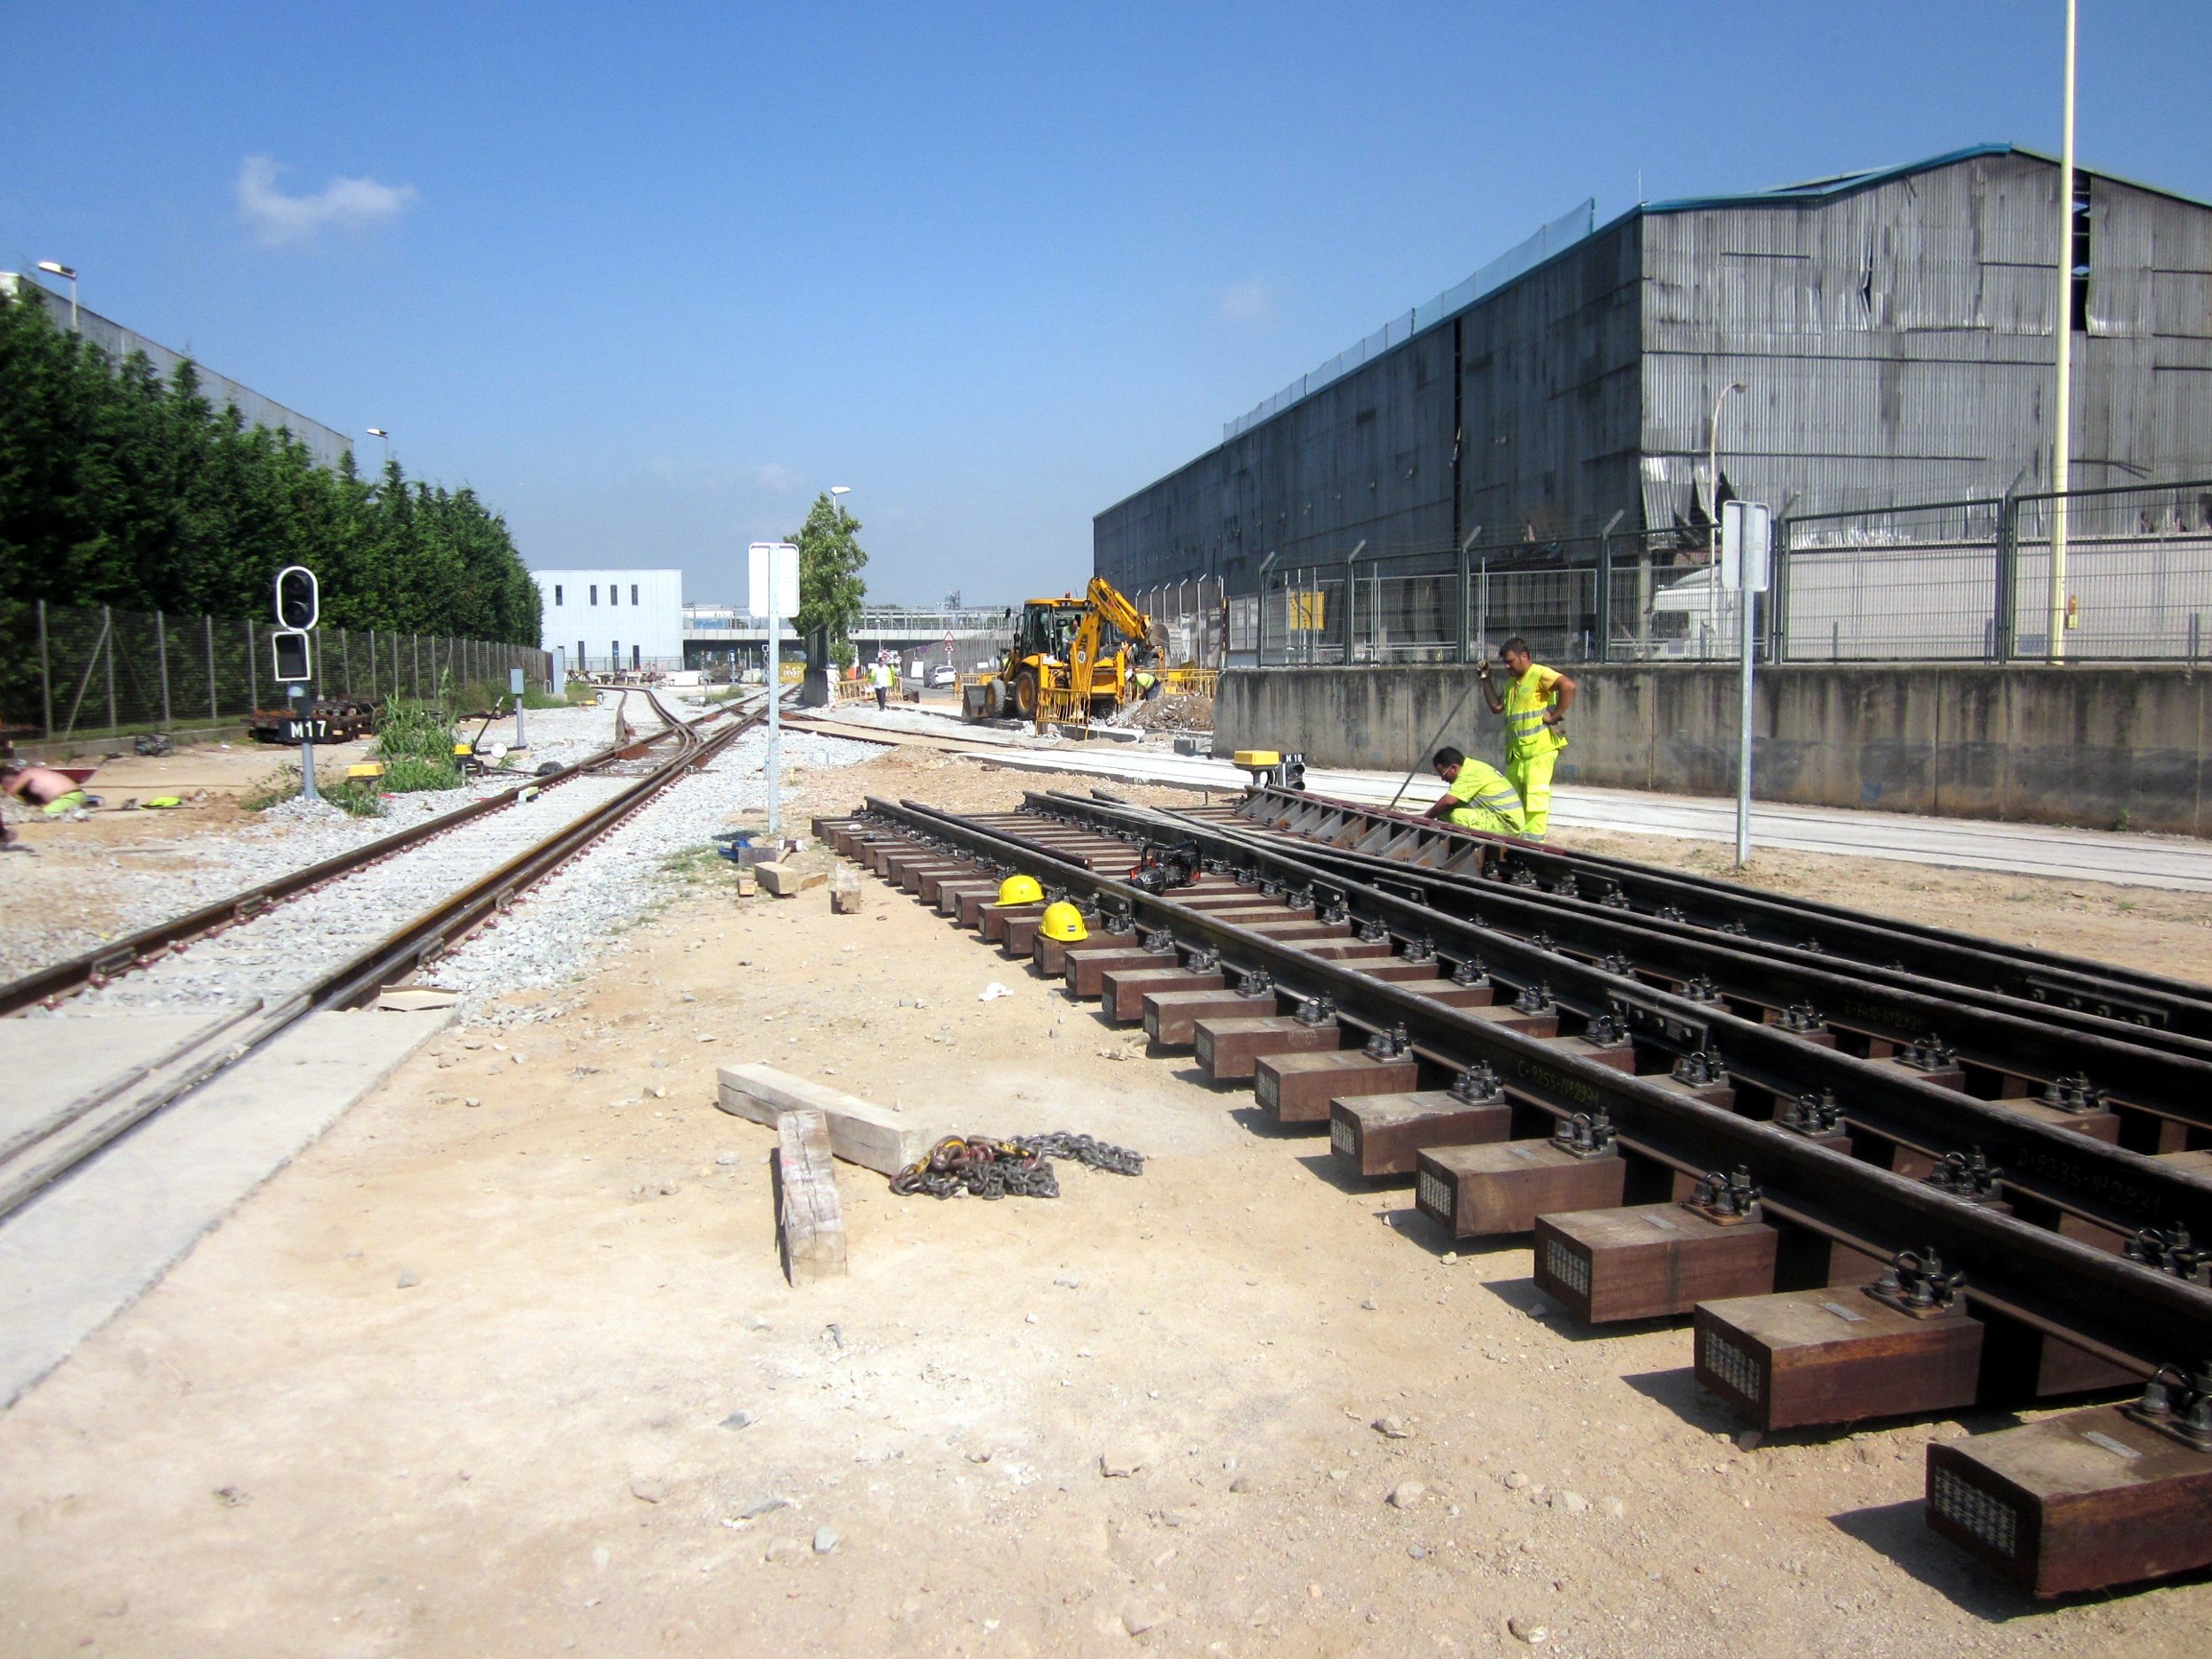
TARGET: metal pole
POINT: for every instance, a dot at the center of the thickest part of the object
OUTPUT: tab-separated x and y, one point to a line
2062	328
161	643
775	718
107	627
303	711
213	712
1744	600
45	677
253	680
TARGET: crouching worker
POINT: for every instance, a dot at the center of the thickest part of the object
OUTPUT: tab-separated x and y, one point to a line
55	793
1476	796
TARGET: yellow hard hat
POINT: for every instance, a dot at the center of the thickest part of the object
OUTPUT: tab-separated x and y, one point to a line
1064	922
1020	890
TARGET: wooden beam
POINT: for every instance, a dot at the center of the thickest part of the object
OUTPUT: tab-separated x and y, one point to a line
810	1225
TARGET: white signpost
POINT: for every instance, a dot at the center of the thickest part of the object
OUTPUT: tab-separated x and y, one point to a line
1747	548
772	589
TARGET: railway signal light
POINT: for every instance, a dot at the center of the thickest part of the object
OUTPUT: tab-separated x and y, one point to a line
288	648
298	599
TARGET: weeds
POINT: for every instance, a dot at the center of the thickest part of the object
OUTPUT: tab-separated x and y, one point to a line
356	797
415	742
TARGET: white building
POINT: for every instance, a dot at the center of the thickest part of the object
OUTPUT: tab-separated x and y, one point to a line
613	618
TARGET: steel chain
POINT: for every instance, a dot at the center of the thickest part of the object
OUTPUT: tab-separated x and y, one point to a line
1021	1167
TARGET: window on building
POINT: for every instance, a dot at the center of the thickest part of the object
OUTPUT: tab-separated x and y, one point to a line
636	660
556	592
614	653
614	593
594	593
633	593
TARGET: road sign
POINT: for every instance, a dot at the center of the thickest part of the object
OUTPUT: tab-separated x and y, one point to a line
289	649
785	595
299	600
1747	546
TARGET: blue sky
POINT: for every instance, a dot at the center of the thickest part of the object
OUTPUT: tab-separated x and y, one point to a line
649	277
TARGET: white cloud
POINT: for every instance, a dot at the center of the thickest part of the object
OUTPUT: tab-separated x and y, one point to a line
1249	302
345	205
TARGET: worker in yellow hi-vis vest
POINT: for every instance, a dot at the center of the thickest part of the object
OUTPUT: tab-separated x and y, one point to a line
1535	704
1476	796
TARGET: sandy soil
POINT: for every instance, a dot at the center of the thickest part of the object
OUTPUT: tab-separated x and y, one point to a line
462	1380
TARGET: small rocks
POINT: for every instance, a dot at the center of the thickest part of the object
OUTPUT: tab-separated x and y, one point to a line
1515	1480
737	1420
825	1542
1244	1484
726	1160
1392	1428
408	1278
1570	1502
1137	1618
1406	1494
1368	1304
1118	1465
1528	1629
1750	1440
1612	1508
1068	1284
472	1102
1419	1552
764	1506
233	1496
647	1491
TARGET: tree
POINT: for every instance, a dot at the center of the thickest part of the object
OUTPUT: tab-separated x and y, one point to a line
120	488
831	588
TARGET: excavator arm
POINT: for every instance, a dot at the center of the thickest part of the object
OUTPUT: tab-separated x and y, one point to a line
1106	607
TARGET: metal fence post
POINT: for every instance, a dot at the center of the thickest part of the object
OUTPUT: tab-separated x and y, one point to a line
45	677
253	677
2007	597
213	713
345	659
107	627
1604	606
1778	595
161	644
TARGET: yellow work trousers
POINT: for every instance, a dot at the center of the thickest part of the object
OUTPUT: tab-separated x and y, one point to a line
1530	776
1475	817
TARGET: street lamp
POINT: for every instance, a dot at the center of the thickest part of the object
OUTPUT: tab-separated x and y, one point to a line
379	432
836	491
70	273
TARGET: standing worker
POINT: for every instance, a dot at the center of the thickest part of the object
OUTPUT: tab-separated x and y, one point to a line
1476	796
880	677
1535	707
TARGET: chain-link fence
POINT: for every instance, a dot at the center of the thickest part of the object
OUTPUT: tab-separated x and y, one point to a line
1195	616
1966	581
70	671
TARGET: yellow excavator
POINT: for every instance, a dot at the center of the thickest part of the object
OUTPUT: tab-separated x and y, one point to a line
1059	668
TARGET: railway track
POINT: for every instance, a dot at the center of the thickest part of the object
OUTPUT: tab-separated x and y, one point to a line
1696	1106
35	1154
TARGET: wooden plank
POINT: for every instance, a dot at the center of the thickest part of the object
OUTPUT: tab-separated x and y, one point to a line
1478	1191
860	1132
1833	1355
2081	1502
1381	1134
1297	1088
810	1223
1648	1261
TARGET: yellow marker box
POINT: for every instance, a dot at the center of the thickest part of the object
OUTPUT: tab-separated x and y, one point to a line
366	768
1258	757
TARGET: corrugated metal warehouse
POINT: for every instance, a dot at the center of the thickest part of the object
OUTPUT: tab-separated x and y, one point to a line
1893	330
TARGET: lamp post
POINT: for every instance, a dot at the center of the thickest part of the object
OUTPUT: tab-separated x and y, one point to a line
838	492
379	432
68	271
1712	482
2063	330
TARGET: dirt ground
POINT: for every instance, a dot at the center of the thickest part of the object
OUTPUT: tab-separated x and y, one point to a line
504	1365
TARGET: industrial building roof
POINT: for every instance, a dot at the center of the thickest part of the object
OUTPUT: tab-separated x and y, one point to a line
1844	183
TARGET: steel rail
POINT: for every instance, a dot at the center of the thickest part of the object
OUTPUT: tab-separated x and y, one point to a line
2119	1190
358	979
2046	978
2002	1034
2126	1313
103	962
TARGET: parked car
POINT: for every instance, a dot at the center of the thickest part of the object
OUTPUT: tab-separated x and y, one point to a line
943	675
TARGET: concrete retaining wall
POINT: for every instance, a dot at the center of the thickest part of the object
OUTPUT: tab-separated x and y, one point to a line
2077	746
